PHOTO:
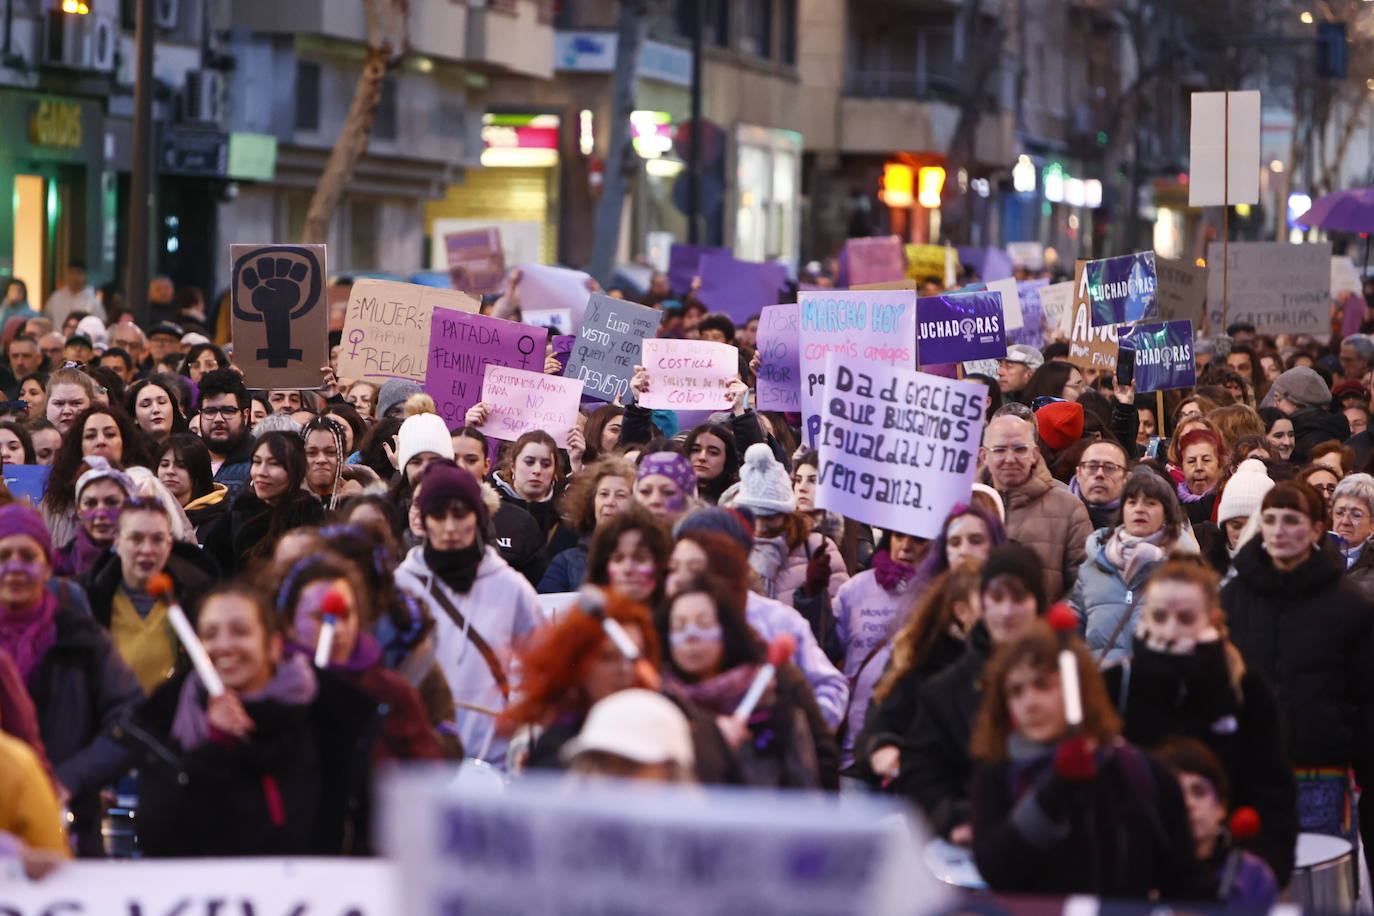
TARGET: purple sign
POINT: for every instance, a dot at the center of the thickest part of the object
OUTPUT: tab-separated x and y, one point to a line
1032	330
991	263
683	263
959	327
875	260
1121	290
1163	355
461	345
779	345
739	289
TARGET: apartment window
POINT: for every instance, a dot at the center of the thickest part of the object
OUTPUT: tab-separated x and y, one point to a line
716	22
756	37
787	31
384	124
307	95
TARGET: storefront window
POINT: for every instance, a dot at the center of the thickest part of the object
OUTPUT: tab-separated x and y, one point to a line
766	200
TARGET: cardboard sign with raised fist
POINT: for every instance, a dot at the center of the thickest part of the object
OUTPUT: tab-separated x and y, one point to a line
281	318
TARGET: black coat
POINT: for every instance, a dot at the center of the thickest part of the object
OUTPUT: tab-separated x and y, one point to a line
1123	833
83	690
1191	696
218	799
1314	426
936	766
242	535
192	570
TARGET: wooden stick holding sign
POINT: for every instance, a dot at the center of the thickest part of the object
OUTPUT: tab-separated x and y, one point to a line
281	319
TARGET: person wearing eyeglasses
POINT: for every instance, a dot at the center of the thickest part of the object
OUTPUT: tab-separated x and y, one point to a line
224	428
1099	479
1041	513
1352	521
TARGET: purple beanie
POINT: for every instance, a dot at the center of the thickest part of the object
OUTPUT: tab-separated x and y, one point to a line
20	519
671	465
444	481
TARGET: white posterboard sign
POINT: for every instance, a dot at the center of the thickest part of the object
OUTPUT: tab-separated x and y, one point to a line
564	846
1277	287
1225	129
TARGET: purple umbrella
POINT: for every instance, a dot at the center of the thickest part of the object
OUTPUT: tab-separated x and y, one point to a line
1344	211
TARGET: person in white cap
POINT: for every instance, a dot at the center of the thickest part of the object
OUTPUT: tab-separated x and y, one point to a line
634	734
790	559
1015	369
1240	501
422	439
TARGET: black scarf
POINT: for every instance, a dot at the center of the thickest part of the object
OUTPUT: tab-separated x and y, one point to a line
456	568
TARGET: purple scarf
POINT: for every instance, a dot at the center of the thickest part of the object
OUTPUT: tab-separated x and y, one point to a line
28	634
891	574
1187	496
80	555
292	685
719	694
367	653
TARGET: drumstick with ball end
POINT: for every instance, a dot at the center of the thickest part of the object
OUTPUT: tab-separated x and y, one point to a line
592	602
332	607
780	649
1064	621
1245	823
160	586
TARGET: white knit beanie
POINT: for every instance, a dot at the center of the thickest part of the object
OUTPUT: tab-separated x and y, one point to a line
424	432
764	485
1244	491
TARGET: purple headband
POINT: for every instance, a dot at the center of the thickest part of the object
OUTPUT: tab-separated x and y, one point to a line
20	519
671	465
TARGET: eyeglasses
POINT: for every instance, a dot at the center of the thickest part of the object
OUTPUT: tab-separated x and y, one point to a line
226	411
1327	488
1001	451
1111	469
1354	515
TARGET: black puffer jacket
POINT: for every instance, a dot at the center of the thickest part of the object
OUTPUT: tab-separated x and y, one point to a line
1315	426
1191	696
936	766
244	534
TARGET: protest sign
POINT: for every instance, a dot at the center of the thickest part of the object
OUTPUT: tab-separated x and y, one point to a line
1032	331
875	260
1182	290
280	315
897	448
543	845
989	263
1344	277
519	401
865	327
559	321
779	379
1277	287
386	328
552	289
1030	255
1163	355
957	327
363	887
556	604
1224	149
683	263
988	367
688	374
931	261
736	288
1057	301
461	345
27	481
1121	290
476	263
608	345
1011	302
1092	349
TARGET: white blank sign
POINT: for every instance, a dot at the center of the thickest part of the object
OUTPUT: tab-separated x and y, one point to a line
1213	117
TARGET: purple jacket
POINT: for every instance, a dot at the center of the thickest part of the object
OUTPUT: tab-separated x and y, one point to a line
867	616
769	618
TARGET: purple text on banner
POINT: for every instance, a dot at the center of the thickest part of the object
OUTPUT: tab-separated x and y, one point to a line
879	259
738	289
1163	355
779	381
519	401
897	448
683	262
1121	290
460	347
959	327
688	374
865	327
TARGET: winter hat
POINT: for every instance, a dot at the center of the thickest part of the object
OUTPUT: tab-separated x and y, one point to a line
1303	386
424	432
1351	388
737	524
1060	424
100	469
444	481
394	392
1017	560
17	518
994	497
1026	355
639	725
671	465
93	328
763	483
1244	491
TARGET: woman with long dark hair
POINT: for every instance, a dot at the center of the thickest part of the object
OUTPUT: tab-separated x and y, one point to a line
155	404
183	465
711	450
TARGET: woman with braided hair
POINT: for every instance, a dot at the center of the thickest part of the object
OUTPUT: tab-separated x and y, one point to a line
324	457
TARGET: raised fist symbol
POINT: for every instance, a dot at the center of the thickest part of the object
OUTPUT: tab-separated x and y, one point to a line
283	283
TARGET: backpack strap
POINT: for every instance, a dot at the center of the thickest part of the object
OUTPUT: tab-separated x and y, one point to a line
483	647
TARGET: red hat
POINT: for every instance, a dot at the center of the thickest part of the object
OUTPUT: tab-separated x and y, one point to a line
1351	387
1060	423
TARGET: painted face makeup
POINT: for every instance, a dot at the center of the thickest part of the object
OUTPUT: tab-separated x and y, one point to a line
691	632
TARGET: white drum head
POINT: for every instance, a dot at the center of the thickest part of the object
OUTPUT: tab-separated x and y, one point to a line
1315	848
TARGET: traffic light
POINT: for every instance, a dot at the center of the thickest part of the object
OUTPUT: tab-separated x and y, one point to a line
898	184
1332	58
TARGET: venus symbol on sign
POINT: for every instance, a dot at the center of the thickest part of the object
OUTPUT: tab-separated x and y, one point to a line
283	283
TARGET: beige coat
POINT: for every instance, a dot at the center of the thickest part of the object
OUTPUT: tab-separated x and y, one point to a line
1043	515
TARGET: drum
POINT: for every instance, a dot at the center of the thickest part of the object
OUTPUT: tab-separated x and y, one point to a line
953	865
1324	874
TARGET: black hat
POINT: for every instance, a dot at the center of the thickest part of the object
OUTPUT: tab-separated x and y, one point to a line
167	328
1019	561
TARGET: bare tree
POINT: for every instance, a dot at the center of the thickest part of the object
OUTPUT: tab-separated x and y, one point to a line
386	43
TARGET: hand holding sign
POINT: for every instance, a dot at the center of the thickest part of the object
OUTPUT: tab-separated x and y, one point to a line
518	401
688	374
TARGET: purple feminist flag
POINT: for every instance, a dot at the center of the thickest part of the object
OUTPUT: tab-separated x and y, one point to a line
958	327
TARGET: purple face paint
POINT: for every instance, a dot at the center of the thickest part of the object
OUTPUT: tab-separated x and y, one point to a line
31	571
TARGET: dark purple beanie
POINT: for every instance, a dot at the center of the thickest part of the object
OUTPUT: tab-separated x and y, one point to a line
443	481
